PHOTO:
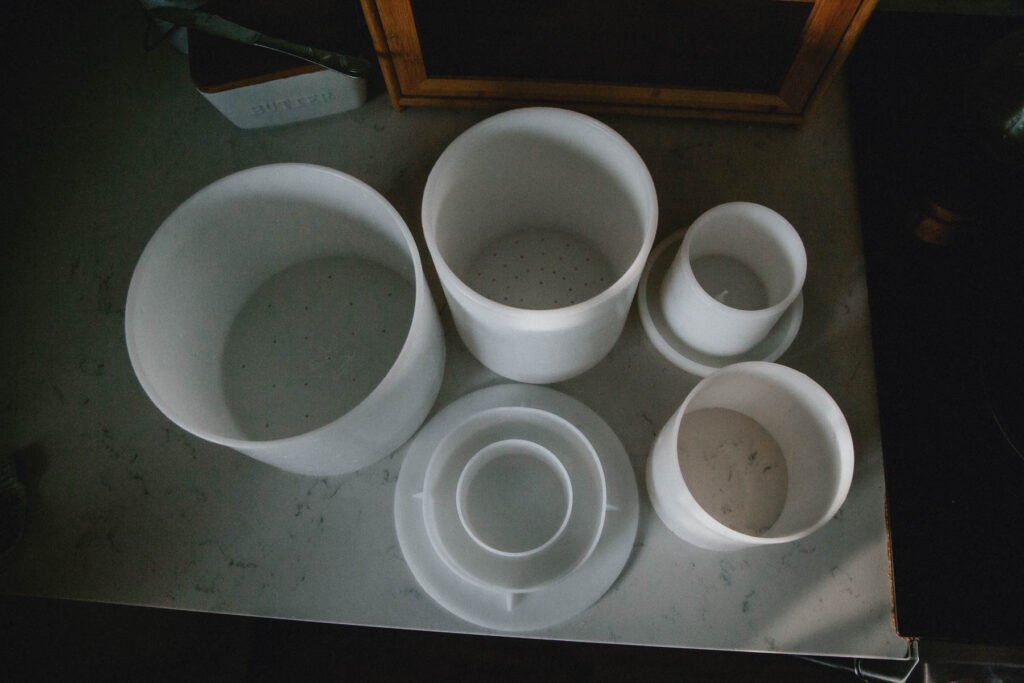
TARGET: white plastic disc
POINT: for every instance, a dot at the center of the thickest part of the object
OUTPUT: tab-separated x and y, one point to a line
553	602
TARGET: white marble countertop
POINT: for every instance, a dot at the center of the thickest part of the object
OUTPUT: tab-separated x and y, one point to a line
127	508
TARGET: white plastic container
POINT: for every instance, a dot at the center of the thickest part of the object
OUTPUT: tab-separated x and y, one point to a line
678	352
283	311
256	88
740	268
539	222
753	442
514	499
516	507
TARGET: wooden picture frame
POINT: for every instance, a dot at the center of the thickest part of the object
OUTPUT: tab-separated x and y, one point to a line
768	60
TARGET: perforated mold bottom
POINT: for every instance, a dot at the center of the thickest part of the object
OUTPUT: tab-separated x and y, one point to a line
312	342
539	269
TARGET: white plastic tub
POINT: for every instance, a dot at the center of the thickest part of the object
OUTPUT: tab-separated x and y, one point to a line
539	222
754	444
282	311
278	99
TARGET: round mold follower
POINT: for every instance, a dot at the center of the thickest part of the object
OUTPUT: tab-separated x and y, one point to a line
539	222
798	415
282	311
514	499
516	507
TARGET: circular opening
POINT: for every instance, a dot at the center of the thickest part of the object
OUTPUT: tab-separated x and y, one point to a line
764	453
514	497
538	209
746	256
271	303
555	512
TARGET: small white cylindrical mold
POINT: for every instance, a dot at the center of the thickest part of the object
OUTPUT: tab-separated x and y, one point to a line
757	454
740	267
514	499
539	222
283	311
516	507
